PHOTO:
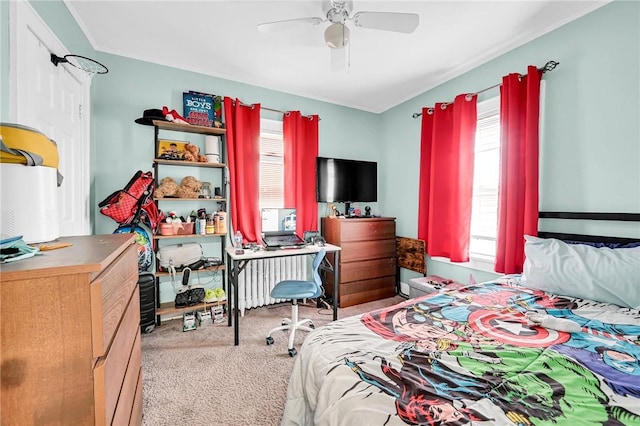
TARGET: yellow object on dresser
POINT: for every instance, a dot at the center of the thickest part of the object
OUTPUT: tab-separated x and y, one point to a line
70	335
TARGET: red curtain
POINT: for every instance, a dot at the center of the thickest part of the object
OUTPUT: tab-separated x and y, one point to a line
518	191
243	157
446	177
300	135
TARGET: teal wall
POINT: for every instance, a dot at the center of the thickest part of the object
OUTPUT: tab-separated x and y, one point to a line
591	137
122	147
590	148
62	23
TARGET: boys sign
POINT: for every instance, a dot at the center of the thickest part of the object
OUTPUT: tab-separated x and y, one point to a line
202	109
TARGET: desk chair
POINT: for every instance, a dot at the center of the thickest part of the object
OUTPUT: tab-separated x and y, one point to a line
294	290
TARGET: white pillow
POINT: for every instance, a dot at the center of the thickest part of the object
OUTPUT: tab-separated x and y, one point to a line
582	271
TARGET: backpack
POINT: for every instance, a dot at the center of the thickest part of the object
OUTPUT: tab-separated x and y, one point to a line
143	244
133	202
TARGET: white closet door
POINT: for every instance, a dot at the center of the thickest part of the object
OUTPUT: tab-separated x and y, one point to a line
54	100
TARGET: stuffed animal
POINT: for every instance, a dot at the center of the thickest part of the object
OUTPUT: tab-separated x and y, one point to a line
189	188
167	188
193	154
189	152
173	116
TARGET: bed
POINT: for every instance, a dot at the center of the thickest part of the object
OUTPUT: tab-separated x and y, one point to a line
558	344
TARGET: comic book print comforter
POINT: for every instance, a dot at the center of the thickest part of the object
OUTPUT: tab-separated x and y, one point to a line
472	355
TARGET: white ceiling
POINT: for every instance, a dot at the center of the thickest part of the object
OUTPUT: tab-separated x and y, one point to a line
220	38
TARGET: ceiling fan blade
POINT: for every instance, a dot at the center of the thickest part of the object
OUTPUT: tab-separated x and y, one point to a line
288	24
388	21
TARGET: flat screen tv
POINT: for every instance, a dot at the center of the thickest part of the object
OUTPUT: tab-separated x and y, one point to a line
346	181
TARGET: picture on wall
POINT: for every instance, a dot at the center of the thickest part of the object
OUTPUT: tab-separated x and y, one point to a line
171	150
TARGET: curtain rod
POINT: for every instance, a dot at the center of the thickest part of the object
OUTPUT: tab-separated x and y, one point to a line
273	110
549	66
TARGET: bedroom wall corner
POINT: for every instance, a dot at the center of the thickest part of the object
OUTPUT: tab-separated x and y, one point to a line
135	85
590	144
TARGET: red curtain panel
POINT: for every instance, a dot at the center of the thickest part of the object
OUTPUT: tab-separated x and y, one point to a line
446	177
518	190
243	157
300	135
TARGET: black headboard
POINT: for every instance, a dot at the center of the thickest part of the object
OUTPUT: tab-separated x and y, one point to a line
617	217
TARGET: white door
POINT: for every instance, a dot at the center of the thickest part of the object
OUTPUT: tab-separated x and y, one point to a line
52	100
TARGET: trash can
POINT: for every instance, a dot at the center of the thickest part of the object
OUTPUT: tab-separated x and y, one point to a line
29	173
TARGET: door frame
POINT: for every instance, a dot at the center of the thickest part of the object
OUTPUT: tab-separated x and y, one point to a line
23	17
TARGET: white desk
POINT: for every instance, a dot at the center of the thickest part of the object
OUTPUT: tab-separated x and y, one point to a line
237	262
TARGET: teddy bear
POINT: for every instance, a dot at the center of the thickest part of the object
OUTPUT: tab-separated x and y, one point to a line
193	154
167	188
189	187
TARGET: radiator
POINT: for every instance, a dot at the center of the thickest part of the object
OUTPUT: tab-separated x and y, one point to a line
260	276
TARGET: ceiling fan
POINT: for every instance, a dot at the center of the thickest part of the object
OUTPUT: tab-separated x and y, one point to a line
337	34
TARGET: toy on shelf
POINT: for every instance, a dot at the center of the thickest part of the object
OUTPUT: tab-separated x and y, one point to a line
193	154
167	188
188	188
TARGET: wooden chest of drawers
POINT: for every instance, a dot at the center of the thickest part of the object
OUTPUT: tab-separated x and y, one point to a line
367	259
70	351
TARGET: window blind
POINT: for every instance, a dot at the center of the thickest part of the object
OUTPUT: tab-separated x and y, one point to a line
484	210
271	167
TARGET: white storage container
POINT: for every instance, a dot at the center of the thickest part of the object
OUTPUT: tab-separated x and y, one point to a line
29	202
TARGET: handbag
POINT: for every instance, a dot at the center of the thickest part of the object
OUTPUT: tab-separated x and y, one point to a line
180	256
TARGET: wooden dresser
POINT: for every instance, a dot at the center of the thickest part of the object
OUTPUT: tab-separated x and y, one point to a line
367	259
70	342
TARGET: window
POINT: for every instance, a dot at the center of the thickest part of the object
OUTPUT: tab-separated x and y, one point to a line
486	175
271	164
486	178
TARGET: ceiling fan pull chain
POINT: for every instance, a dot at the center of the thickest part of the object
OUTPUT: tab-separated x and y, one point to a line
348	58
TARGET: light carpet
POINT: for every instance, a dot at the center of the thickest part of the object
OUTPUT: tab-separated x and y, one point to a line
200	378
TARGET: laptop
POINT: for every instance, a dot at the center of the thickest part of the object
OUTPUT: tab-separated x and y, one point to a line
279	228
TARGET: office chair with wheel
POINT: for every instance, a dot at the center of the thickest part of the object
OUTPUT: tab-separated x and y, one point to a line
295	290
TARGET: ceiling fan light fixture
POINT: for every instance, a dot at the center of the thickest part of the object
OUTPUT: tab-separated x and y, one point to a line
337	35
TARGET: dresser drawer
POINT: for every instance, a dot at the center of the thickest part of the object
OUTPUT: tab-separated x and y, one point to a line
367	250
127	399
356	230
110	294
110	371
136	412
356	292
366	269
